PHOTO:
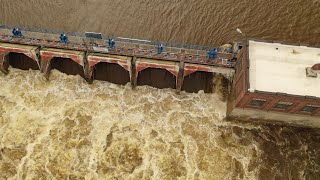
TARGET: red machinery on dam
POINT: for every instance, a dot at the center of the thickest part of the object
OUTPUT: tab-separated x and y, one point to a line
115	59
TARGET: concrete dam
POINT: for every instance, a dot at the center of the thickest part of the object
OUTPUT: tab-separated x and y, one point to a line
231	71
135	61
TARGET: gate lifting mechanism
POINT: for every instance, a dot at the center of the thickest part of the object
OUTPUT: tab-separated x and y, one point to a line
64	38
16	32
111	43
212	54
160	48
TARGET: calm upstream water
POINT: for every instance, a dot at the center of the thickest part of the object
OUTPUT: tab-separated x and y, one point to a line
67	129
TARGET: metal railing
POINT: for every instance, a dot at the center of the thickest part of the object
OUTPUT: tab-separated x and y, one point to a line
106	37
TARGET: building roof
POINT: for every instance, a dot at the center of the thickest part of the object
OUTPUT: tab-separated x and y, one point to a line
276	67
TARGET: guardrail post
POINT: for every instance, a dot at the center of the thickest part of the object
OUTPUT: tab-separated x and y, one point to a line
180	77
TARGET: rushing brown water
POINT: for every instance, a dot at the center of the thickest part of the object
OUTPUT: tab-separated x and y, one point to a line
67	129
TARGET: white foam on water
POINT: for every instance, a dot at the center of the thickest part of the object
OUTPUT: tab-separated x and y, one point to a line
66	128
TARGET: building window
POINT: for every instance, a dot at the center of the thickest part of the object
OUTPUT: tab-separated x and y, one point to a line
257	102
309	108
283	105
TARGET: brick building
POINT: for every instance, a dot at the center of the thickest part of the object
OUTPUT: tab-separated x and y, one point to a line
279	82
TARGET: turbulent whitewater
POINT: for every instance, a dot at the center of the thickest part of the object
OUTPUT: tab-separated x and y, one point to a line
66	128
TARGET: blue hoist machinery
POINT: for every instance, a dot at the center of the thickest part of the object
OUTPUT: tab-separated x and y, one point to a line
111	43
16	32
212	54
64	38
160	48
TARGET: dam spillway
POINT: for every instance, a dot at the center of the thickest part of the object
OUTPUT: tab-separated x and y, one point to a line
135	61
182	67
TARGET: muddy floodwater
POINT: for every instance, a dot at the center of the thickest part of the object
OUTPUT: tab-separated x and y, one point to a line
67	129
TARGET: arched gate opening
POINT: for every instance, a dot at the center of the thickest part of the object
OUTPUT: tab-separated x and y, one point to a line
111	72
197	81
67	66
159	78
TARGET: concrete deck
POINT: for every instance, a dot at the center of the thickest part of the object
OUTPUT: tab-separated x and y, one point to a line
18	47
281	68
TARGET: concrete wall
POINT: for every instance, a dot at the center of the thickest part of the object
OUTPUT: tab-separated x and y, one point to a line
257	115
240	81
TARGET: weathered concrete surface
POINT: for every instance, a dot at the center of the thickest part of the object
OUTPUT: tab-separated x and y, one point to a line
144	63
274	117
106	67
47	54
6	48
191	68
